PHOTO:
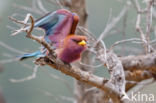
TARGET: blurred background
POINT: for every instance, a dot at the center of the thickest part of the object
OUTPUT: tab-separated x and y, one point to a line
45	88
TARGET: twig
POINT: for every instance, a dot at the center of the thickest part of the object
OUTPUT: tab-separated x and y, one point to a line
145	39
123	41
149	22
130	49
19	22
59	4
111	25
86	32
15	59
149	18
10	48
24	22
41	7
109	17
140	85
38	39
51	95
137	7
35	69
59	99
29	35
9	60
56	2
155	31
29	9
138	28
69	99
91	66
60	79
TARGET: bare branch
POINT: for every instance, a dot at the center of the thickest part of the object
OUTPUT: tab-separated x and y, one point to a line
10	48
145	39
123	41
24	22
62	80
140	85
91	66
136	76
9	60
117	79
29	9
143	62
59	99
35	69
149	21
41	7
51	95
112	24
149	18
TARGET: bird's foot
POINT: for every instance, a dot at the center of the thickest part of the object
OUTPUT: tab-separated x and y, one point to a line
68	64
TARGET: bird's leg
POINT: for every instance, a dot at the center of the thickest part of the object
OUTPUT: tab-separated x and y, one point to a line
54	58
67	64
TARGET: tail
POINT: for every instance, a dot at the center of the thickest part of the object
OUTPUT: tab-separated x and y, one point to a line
30	55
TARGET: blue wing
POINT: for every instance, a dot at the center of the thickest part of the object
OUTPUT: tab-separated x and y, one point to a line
47	22
30	55
57	26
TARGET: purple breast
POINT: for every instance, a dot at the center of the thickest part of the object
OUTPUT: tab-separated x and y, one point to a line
70	54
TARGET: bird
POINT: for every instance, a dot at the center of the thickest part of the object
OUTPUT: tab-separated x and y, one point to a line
59	27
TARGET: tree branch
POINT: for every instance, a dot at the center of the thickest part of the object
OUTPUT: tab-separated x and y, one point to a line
142	62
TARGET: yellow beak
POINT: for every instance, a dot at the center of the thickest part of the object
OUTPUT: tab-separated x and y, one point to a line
82	43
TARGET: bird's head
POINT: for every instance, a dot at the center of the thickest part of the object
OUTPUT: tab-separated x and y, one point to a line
76	43
72	48
77	40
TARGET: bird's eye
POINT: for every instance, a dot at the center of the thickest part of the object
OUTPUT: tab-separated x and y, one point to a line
76	41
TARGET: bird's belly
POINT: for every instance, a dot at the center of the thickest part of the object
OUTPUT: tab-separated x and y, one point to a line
69	57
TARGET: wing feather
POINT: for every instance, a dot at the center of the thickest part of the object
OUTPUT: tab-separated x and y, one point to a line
57	26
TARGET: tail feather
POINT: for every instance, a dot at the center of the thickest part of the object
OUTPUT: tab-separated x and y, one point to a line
30	55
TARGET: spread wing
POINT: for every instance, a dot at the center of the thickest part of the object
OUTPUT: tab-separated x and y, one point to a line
57	25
